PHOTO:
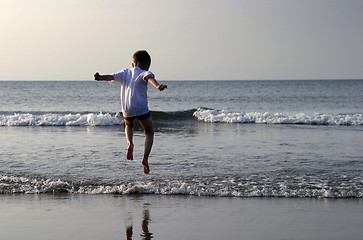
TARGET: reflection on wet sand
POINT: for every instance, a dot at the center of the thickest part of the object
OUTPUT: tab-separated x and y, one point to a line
146	234
129	233
145	226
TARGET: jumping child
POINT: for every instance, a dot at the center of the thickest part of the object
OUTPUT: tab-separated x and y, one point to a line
134	101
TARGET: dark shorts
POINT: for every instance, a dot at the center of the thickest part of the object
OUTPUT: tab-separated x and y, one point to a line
140	117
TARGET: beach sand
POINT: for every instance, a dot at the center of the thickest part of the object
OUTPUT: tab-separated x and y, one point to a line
177	217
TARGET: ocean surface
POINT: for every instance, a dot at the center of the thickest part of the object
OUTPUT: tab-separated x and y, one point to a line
212	138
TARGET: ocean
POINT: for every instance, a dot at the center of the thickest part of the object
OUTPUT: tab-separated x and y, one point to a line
291	139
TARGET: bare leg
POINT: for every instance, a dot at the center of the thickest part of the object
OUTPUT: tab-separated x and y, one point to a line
148	126
129	132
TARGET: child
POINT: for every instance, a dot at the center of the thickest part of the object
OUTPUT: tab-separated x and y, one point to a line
134	101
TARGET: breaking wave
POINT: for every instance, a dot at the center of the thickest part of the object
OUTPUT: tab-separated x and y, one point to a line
222	116
60	119
200	114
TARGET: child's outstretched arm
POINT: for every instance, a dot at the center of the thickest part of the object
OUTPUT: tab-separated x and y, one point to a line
99	77
155	84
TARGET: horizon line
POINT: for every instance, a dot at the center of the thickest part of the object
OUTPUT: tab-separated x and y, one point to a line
175	80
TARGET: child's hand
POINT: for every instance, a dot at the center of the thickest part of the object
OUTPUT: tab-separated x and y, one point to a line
97	76
161	87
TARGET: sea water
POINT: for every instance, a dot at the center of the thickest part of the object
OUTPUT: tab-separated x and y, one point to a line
212	138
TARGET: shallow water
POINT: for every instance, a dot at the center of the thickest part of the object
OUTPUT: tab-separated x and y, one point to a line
68	137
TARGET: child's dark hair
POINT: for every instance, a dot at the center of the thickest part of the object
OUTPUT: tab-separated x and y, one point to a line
142	59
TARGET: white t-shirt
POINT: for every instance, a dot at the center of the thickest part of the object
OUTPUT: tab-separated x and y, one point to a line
133	91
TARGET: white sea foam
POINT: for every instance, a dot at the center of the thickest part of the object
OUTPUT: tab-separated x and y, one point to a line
238	188
211	115
52	119
202	114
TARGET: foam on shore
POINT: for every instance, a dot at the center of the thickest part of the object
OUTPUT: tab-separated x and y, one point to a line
249	187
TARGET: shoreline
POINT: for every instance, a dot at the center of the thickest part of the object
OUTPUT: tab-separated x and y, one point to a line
64	216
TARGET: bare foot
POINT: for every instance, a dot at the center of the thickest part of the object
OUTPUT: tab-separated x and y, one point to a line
145	165
130	151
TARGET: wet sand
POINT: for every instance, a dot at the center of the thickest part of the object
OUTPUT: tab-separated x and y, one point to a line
177	217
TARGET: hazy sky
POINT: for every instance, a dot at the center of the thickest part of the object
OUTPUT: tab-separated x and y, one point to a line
187	39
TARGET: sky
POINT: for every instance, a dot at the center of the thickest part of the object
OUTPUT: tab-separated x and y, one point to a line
187	39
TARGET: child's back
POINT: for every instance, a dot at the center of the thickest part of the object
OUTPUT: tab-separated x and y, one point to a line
134	101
